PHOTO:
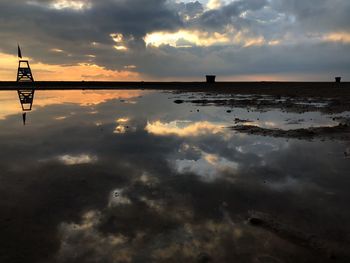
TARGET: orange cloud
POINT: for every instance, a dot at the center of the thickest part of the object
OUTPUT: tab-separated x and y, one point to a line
343	37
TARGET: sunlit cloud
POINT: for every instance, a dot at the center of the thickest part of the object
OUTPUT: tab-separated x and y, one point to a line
130	67
175	39
189	38
122	120
74	5
274	42
71	4
77	159
183	128
262	124
244	39
57	50
342	37
120	48
259	41
121	125
214	4
118	38
119	129
60	118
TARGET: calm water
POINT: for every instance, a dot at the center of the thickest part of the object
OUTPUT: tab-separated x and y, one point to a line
131	176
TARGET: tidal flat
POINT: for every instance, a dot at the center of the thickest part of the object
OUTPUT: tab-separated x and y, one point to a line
175	176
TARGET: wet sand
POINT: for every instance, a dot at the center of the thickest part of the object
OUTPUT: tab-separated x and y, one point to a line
339	132
289	97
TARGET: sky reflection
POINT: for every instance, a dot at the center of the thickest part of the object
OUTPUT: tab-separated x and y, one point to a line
176	183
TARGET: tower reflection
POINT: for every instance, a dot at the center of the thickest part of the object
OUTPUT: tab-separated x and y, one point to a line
26	97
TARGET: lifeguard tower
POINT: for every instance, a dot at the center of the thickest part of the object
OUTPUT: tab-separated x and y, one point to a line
24	74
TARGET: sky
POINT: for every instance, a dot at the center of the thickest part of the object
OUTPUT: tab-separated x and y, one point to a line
177	40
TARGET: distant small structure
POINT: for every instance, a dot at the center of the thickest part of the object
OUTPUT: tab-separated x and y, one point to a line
210	78
337	79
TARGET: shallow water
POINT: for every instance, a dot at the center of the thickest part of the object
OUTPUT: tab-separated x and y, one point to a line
131	176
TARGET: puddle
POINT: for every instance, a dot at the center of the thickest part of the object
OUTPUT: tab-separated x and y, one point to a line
131	176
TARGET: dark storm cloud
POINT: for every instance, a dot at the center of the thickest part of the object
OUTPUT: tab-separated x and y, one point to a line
298	25
228	14
40	28
316	15
190	9
320	15
331	59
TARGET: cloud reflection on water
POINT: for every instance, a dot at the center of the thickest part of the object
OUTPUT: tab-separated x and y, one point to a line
154	195
80	97
184	128
208	166
77	159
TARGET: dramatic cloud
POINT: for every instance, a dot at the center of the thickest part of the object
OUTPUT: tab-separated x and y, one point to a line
162	39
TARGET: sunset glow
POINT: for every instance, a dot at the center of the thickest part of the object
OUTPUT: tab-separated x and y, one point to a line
83	71
174	131
139	40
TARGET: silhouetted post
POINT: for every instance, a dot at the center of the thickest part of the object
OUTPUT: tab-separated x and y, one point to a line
210	78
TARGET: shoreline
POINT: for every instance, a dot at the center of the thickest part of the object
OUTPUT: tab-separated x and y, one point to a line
294	89
170	84
274	88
